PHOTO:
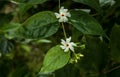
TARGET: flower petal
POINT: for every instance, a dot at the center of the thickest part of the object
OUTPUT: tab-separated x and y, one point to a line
68	39
66	49
61	19
61	9
65	19
65	10
57	15
73	44
72	48
63	47
68	14
63	42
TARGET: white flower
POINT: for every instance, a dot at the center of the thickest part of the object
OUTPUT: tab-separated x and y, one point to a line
66	45
63	14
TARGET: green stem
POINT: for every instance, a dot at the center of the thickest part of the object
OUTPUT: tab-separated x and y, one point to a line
64	30
77	43
62	23
59	4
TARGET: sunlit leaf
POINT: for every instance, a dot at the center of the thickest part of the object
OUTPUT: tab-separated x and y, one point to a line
55	58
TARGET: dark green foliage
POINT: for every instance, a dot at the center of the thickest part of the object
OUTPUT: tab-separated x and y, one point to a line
85	23
5	19
31	1
30	36
114	43
96	57
6	45
92	3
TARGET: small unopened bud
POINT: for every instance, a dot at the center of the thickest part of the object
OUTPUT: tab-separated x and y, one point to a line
82	46
76	61
81	55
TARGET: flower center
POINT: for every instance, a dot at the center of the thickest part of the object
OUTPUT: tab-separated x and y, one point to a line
67	45
62	14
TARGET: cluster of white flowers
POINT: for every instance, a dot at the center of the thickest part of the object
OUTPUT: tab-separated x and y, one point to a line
67	45
63	17
63	14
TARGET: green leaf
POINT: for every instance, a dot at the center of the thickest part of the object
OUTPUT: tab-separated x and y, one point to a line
26	47
11	30
5	45
24	7
115	43
85	23
31	1
37	1
55	58
86	10
106	2
92	3
40	25
11	27
43	41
